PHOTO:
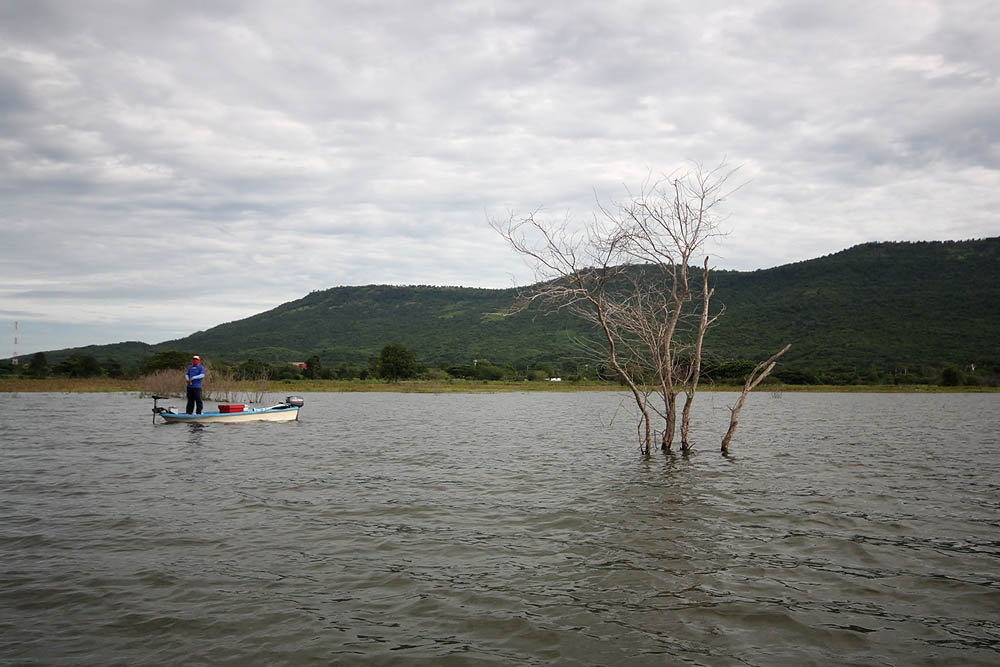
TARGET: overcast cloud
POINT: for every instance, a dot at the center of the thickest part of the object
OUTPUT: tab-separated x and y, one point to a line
169	166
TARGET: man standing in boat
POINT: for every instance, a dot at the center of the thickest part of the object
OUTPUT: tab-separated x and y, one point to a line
195	374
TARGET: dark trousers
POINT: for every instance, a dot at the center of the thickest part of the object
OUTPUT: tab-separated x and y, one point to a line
194	396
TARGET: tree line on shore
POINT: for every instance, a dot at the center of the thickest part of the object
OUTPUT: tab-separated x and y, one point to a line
727	372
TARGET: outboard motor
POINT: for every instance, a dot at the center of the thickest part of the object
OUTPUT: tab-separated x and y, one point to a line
158	410
289	402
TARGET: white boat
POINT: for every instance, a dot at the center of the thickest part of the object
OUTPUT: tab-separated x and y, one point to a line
282	412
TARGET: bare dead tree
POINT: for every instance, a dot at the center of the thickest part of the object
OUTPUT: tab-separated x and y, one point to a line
631	274
761	371
575	272
667	223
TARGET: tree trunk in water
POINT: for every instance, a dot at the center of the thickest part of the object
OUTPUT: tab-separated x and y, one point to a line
671	425
648	438
762	370
734	421
696	369
686	421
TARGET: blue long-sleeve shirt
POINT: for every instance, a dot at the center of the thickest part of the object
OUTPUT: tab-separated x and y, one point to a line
196	374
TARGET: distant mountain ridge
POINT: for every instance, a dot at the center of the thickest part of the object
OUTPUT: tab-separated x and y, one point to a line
892	303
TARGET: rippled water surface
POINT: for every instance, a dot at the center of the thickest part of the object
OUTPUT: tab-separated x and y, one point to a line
515	528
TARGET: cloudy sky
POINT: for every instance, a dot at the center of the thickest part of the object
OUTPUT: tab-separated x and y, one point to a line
169	166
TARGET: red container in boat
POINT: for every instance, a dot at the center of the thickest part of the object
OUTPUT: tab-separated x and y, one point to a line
239	407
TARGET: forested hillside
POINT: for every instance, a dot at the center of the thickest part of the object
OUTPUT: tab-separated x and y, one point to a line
878	307
892	303
350	324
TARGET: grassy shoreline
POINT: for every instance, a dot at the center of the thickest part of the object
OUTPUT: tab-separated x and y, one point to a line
97	385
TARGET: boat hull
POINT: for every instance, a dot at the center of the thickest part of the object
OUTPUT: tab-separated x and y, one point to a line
268	415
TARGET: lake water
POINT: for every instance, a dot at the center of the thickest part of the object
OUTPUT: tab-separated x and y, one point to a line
492	529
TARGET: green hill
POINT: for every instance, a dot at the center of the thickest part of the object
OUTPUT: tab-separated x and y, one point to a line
350	324
890	305
896	304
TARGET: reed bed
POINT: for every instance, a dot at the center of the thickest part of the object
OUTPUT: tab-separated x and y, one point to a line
220	385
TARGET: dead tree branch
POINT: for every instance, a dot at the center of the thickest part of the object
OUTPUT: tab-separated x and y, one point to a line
761	371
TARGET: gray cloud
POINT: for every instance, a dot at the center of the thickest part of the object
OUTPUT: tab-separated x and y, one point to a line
169	166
